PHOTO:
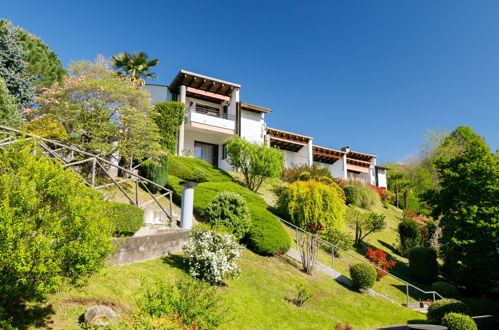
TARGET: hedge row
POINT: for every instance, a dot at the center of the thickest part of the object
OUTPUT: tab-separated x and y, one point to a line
127	218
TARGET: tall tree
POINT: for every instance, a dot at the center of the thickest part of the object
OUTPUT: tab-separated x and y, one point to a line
9	113
103	113
13	67
468	203
136	66
43	64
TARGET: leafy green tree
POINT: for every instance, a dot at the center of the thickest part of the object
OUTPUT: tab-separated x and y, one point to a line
52	226
9	113
13	66
43	64
311	203
136	66
364	224
256	162
169	118
468	204
98	109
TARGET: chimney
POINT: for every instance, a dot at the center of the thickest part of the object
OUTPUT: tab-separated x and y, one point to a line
345	149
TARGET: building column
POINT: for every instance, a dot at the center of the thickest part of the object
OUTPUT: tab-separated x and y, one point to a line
344	163
180	143
372	172
310	153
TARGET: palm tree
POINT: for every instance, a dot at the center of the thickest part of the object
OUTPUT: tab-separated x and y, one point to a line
135	66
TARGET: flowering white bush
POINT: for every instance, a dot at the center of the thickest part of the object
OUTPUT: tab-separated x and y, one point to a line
212	256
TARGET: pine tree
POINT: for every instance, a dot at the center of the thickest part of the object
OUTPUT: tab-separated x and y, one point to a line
9	113
13	67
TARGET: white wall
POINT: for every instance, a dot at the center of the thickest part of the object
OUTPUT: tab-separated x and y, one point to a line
159	94
295	158
382	178
252	126
336	169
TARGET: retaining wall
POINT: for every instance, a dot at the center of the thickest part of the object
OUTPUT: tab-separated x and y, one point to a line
143	248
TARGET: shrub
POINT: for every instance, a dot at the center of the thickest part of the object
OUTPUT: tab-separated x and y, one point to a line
256	162
338	237
48	128
9	111
302	295
230	210
197	170
423	264
127	218
456	321
212	256
52	226
447	290
192	303
363	276
409	237
305	172
361	195
266	235
378	258
156	171
169	118
439	308
313	203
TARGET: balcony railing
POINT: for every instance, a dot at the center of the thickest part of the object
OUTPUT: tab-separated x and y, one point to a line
213	112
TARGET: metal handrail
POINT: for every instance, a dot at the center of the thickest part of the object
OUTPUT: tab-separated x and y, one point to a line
221	114
434	293
97	160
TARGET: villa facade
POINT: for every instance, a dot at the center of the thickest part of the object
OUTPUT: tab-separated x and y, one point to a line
215	113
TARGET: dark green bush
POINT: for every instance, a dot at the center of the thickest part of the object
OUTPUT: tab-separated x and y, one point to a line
230	210
423	264
447	290
193	169
439	308
266	235
193	303
409	236
338	237
363	276
157	172
456	321
173	183
361	195
127	218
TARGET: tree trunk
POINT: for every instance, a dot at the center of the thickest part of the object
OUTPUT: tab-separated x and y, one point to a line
396	196
406	199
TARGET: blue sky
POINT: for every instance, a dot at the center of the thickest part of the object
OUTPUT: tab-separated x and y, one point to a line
371	74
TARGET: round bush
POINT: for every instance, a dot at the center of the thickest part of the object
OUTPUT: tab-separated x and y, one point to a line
266	235
439	308
363	276
361	195
447	290
455	321
127	218
408	235
230	210
423	264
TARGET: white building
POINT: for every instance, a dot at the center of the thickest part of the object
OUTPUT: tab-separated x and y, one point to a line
215	113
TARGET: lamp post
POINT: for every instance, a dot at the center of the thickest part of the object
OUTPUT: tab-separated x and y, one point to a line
187	204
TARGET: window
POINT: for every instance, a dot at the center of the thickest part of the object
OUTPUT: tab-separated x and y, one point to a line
224	151
207	152
208	110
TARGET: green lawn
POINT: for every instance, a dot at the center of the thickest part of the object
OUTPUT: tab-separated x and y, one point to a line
256	300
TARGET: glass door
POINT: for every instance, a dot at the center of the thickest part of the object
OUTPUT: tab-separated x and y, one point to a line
207	152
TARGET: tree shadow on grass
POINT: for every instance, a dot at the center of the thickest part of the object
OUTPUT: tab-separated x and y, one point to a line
389	247
33	315
177	261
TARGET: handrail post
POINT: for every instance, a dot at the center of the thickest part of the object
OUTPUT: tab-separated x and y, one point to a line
93	173
407	293
137	191
332	257
433	296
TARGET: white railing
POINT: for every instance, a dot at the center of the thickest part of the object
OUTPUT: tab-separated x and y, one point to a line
334	247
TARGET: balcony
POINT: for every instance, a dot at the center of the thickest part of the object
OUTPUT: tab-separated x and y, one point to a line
212	119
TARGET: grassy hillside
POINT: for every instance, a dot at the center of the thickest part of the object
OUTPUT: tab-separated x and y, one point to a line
256	300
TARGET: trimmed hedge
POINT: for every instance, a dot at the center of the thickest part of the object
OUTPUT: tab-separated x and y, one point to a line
445	289
127	218
423	264
266	235
193	169
363	276
456	321
439	308
231	211
409	236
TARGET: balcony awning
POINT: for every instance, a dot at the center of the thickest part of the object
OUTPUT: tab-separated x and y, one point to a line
326	155
204	83
254	108
357	168
287	140
360	156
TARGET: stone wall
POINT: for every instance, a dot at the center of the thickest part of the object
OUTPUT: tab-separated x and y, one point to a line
143	248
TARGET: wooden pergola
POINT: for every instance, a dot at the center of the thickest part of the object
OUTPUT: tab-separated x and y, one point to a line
326	155
287	140
197	82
